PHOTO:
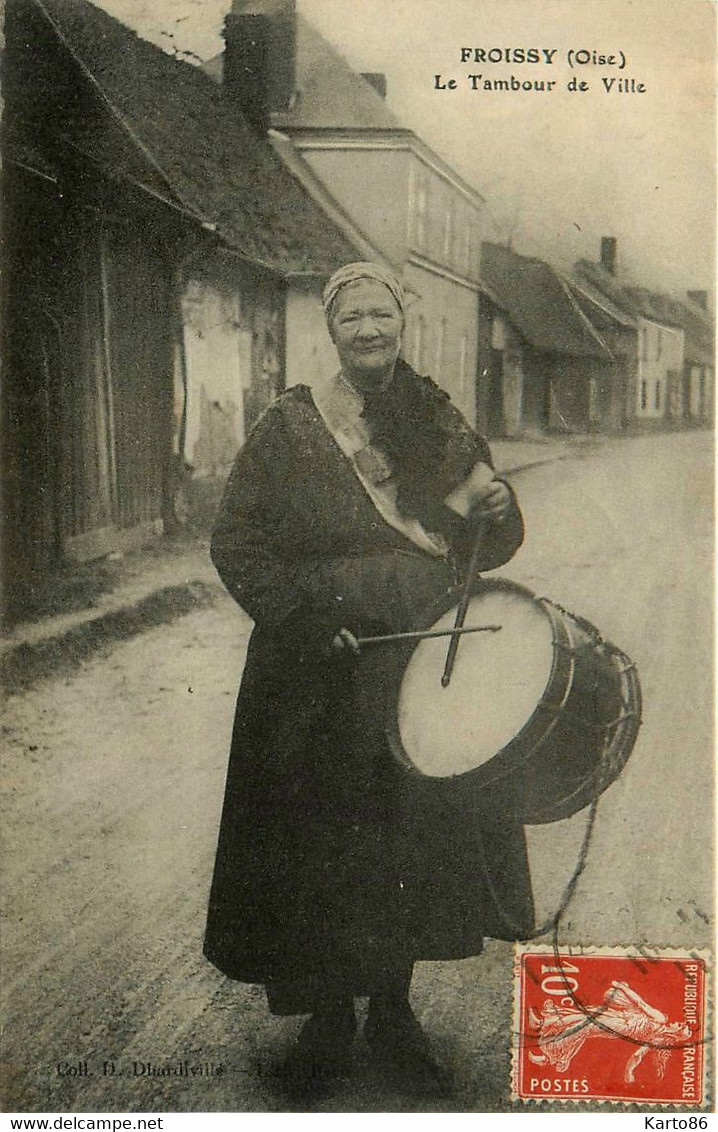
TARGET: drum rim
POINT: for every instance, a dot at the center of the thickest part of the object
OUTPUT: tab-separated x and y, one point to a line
608	768
537	727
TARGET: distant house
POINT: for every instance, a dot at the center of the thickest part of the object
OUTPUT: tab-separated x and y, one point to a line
690	385
699	359
408	204
648	337
151	242
542	363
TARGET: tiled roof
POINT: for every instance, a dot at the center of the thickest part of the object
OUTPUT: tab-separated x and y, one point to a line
636	301
302	171
161	121
695	322
683	314
330	94
699	331
602	311
538	303
608	285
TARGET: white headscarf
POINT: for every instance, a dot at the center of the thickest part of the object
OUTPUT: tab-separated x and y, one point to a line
361	270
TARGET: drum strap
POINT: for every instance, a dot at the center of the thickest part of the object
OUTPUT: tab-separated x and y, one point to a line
552	923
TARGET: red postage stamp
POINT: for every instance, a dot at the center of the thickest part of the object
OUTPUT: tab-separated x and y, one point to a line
609	1025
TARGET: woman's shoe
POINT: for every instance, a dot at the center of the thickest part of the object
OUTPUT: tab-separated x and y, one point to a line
323	1051
399	1044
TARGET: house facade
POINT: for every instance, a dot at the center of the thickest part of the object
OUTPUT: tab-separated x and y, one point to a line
646	332
149	253
698	401
687	385
543	364
228	368
659	371
411	208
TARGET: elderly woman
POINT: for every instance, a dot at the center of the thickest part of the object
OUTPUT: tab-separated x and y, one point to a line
351	506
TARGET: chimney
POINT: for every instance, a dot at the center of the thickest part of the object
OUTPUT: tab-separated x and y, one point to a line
608	253
700	298
260	58
377	80
245	77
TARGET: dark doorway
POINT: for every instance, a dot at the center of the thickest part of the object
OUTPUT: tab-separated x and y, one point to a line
495	420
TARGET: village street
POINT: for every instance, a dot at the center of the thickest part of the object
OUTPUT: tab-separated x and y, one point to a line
113	783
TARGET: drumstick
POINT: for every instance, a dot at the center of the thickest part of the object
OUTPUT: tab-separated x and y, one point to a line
426	634
463	605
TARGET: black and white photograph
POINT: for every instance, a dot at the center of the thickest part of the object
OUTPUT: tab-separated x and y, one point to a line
357	557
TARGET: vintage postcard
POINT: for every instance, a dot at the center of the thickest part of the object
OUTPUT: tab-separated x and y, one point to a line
430	285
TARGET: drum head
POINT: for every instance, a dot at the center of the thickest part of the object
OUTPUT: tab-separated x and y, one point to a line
498	680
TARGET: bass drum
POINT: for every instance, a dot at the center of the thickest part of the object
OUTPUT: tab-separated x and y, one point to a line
541	705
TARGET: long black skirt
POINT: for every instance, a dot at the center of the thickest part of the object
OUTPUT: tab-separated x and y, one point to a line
333	867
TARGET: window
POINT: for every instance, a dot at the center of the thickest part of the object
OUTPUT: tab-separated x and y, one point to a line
499	334
440	345
419	336
697	390
657	397
659	343
411	210
449	225
594	404
467	247
644	394
422	207
463	355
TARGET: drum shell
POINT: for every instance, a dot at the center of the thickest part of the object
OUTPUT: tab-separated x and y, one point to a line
588	722
571	748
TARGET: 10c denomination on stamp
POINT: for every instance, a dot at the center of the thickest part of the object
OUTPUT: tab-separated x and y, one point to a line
609	1025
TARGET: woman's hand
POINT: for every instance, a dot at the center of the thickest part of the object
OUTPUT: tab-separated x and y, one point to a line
492	503
480	496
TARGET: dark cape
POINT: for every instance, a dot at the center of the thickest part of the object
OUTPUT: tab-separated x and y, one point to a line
332	866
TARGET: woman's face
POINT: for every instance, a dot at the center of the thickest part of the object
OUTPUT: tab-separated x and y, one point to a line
366	325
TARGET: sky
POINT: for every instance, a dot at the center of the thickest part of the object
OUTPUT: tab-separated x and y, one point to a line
558	169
